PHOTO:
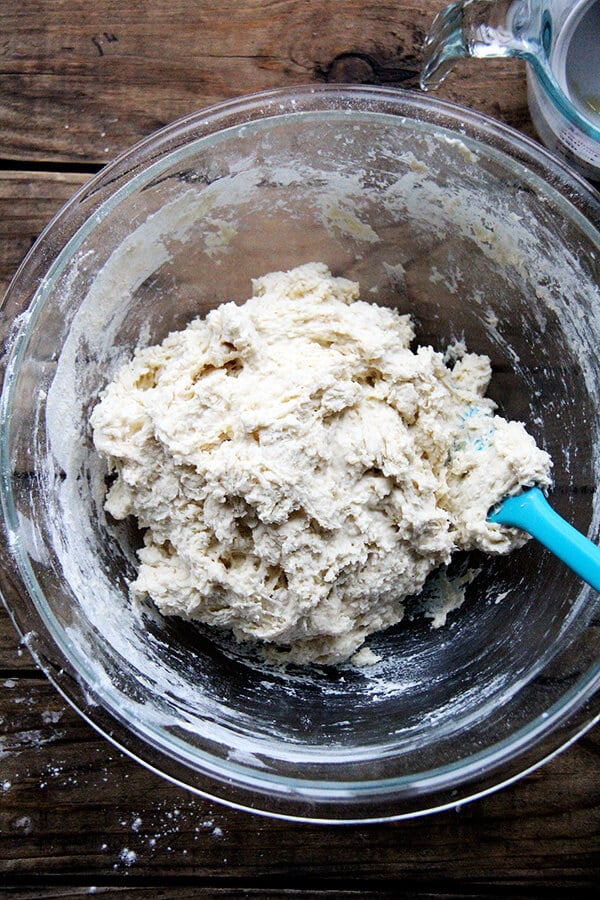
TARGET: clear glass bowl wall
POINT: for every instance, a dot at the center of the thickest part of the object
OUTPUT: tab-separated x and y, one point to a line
478	234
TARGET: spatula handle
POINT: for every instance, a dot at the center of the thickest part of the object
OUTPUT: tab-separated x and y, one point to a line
531	512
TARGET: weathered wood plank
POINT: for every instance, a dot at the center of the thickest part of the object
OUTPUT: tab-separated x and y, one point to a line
58	777
13	658
78	83
72	806
83	81
28	201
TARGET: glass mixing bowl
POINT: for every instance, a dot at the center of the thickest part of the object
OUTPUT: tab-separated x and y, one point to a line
477	232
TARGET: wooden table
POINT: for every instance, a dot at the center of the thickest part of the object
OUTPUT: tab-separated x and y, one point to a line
79	82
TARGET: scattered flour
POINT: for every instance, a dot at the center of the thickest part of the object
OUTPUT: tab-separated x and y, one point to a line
23	824
299	470
128	857
52	716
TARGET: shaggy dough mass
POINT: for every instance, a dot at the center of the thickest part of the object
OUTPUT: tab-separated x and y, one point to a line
300	471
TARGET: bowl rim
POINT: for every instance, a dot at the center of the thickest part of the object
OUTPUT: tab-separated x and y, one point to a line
562	724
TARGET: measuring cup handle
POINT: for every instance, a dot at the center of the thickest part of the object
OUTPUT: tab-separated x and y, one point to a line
482	28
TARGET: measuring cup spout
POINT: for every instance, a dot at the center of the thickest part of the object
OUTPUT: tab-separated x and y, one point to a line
482	28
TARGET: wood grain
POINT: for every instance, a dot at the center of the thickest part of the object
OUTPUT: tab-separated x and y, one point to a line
75	812
82	81
28	200
78	83
73	802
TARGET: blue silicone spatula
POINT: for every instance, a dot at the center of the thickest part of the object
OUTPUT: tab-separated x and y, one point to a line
531	512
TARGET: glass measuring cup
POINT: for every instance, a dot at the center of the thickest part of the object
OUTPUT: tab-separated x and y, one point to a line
560	41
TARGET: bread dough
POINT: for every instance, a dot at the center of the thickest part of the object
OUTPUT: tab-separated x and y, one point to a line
300	471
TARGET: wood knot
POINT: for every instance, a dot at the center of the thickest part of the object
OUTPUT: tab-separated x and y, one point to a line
351	68
363	68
